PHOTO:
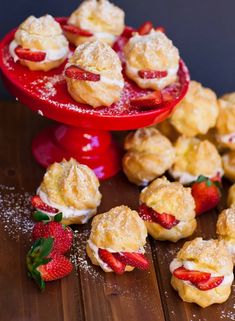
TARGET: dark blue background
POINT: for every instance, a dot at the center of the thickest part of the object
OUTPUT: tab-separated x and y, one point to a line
204	31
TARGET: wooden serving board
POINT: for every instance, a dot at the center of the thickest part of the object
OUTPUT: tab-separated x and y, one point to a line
88	294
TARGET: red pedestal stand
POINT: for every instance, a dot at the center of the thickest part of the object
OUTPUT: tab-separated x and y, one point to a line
84	134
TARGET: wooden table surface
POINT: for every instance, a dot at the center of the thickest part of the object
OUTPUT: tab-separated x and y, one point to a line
88	294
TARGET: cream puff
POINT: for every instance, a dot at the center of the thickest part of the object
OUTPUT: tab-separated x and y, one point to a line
39	44
202	272
225	125
70	188
95	20
229	165
225	229
197	112
195	158
149	155
152	61
168	210
231	196
117	240
94	75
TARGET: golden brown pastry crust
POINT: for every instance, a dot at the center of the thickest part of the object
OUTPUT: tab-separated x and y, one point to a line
102	18
231	196
226	121
208	256
42	34
194	158
98	58
120	229
171	198
149	155
151	52
197	112
229	165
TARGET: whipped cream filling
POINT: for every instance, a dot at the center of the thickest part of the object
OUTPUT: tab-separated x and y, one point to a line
160	81
229	138
104	35
67	211
115	82
186	178
102	264
230	246
51	54
189	265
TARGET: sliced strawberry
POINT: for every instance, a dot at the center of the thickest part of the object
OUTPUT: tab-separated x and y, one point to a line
191	275
145	28
77	73
206	194
166	220
152	100
152	74
116	265
137	260
27	54
128	32
162	29
212	283
146	213
40	205
77	31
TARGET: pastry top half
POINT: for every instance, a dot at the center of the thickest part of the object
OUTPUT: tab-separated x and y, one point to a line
152	52
195	157
226	120
42	33
170	198
207	255
101	17
118	230
197	112
70	184
98	58
226	223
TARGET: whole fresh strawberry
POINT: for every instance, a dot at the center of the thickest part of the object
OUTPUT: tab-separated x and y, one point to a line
61	234
44	265
206	194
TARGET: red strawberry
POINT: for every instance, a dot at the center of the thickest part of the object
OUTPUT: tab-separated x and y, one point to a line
151	100
62	235
27	54
152	74
43	265
77	73
56	269
40	205
128	32
116	265
162	29
191	275
165	220
77	31
206	194
212	283
137	260
145	28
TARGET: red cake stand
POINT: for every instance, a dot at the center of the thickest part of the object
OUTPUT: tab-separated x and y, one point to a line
84	132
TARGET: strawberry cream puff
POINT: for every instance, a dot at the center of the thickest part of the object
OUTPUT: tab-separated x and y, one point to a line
39	44
95	20
70	188
117	240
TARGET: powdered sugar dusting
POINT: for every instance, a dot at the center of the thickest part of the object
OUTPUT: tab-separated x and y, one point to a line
15	212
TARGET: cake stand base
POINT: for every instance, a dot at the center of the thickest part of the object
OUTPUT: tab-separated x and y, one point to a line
94	148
